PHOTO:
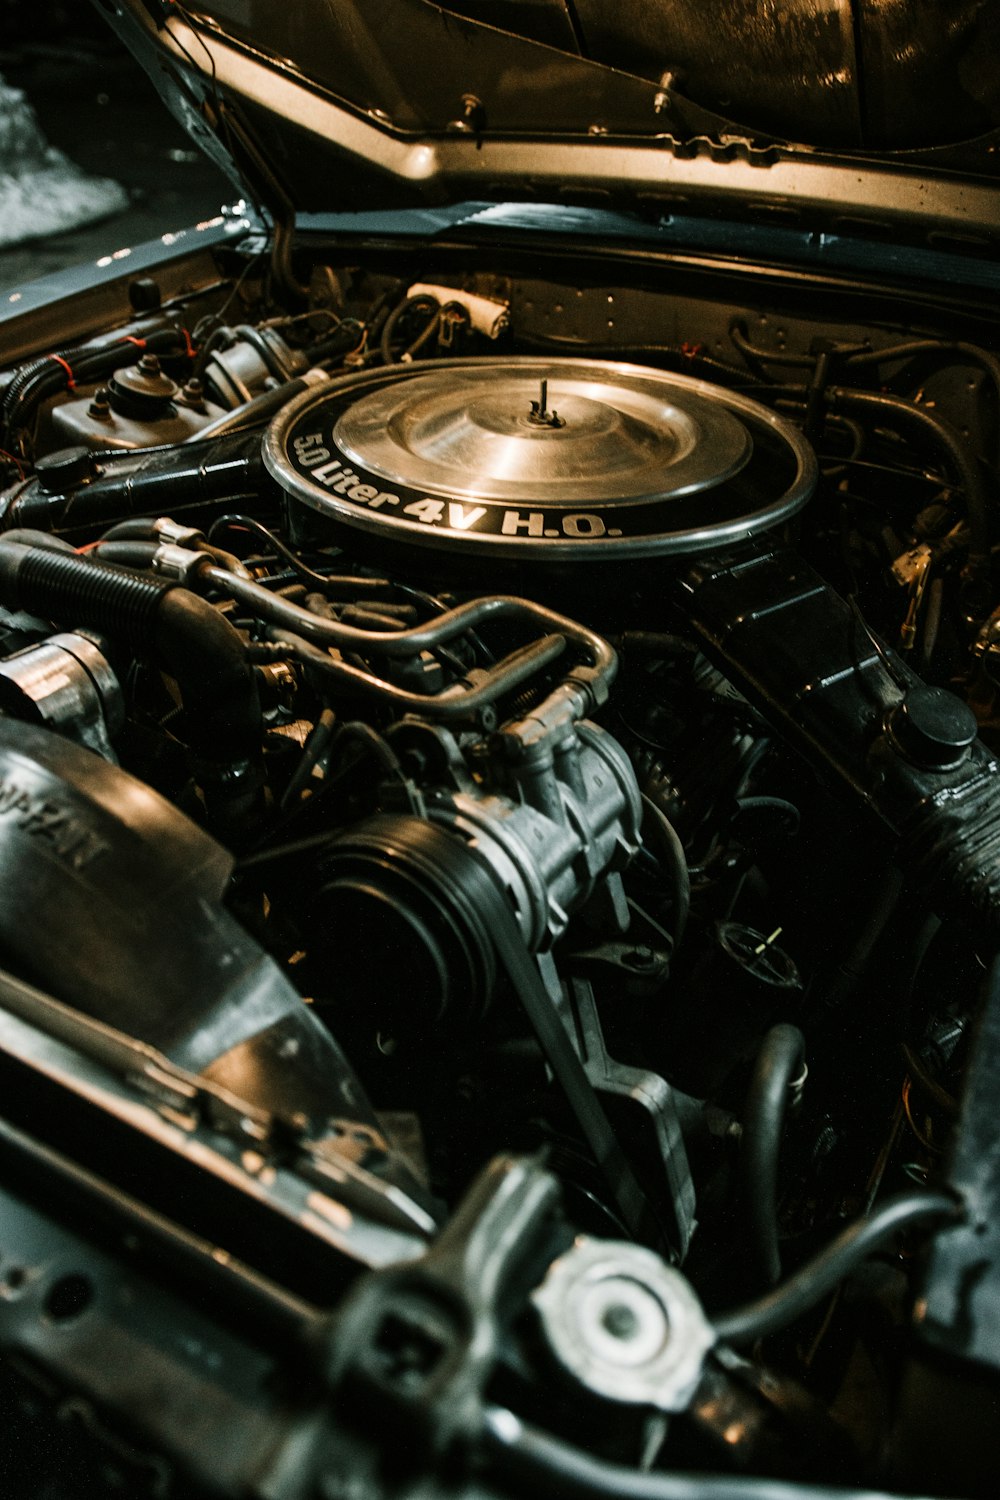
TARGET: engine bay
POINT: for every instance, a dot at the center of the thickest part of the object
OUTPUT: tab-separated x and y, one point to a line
498	777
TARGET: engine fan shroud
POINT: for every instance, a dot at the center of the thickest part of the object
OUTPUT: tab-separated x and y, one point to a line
539	459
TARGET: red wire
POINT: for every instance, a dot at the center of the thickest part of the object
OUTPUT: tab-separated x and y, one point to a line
19	466
129	338
70	382
191	351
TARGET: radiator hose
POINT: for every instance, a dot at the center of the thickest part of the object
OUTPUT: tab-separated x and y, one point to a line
187	637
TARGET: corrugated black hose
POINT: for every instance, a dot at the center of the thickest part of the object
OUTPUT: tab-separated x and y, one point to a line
41	378
162	621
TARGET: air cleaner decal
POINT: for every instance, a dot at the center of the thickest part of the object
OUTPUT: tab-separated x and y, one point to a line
314	457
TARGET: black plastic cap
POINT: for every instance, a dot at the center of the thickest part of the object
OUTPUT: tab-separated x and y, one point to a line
144	294
932	728
64	470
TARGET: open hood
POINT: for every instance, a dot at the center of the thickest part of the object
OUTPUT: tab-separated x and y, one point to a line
836	114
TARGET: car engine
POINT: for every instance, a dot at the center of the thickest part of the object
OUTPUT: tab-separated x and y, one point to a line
500	819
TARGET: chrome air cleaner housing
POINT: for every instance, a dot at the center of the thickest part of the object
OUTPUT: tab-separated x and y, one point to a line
539	459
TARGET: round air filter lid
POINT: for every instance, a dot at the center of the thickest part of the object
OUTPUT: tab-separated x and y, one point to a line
539	457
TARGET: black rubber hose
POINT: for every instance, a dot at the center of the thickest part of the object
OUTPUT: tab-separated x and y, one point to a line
152	616
129	554
779	1063
329	585
49	375
654	643
786	811
258	411
896	410
140	529
276	545
948	442
27	537
821	1275
755	356
861	358
424	302
892	353
282	242
22	379
72	590
198	646
914	348
136	543
527	1461
373	743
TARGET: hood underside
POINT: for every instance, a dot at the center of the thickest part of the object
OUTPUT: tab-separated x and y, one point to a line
866	111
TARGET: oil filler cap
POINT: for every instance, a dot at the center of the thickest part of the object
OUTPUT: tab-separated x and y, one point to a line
932	728
64	470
